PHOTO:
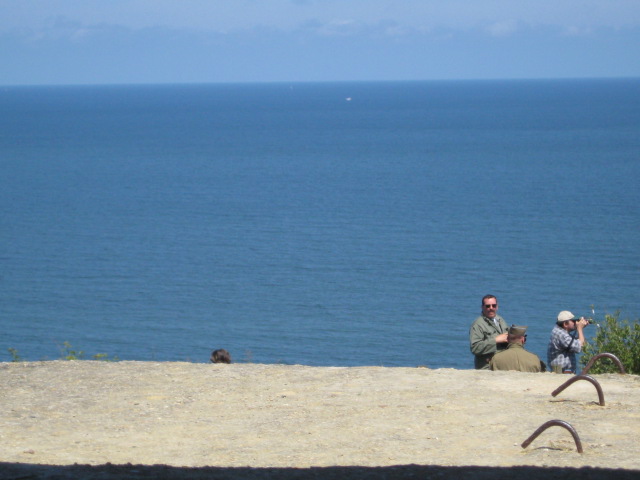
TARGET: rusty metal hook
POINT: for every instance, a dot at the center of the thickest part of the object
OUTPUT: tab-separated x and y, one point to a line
581	377
551	423
615	359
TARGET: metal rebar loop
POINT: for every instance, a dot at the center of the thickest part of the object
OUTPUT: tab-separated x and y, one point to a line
551	423
615	359
581	377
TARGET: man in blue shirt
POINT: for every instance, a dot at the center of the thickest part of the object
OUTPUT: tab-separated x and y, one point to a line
562	349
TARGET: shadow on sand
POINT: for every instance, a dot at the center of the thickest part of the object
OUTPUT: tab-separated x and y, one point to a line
22	471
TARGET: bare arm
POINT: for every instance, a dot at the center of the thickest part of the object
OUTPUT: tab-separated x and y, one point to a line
580	324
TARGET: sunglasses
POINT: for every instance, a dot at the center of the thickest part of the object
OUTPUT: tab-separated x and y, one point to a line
490	305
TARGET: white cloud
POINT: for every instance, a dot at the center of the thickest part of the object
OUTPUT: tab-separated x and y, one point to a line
574	31
502	29
339	27
288	15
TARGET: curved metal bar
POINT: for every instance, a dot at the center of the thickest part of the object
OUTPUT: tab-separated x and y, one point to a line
615	359
551	423
581	377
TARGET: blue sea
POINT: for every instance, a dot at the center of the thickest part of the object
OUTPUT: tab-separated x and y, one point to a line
329	224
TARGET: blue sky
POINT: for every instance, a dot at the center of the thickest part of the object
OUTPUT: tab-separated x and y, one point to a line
201	41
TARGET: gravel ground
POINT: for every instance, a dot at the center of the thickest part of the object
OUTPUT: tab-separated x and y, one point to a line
103	420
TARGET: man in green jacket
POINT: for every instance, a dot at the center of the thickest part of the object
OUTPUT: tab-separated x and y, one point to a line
515	357
488	333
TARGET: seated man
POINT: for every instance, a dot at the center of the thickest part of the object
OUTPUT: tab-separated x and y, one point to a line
220	356
515	357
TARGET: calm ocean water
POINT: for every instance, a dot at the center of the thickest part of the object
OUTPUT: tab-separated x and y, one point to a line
321	224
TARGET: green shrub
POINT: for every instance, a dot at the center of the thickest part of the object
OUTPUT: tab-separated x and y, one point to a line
68	353
618	337
14	355
104	357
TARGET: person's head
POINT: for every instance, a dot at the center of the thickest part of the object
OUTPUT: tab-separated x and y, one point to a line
489	306
517	334
567	320
220	356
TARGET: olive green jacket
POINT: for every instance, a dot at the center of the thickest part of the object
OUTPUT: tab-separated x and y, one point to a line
515	357
482	339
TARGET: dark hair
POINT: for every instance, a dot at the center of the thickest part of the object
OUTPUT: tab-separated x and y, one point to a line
220	356
487	297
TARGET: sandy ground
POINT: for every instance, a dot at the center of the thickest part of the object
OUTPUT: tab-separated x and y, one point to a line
88	419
